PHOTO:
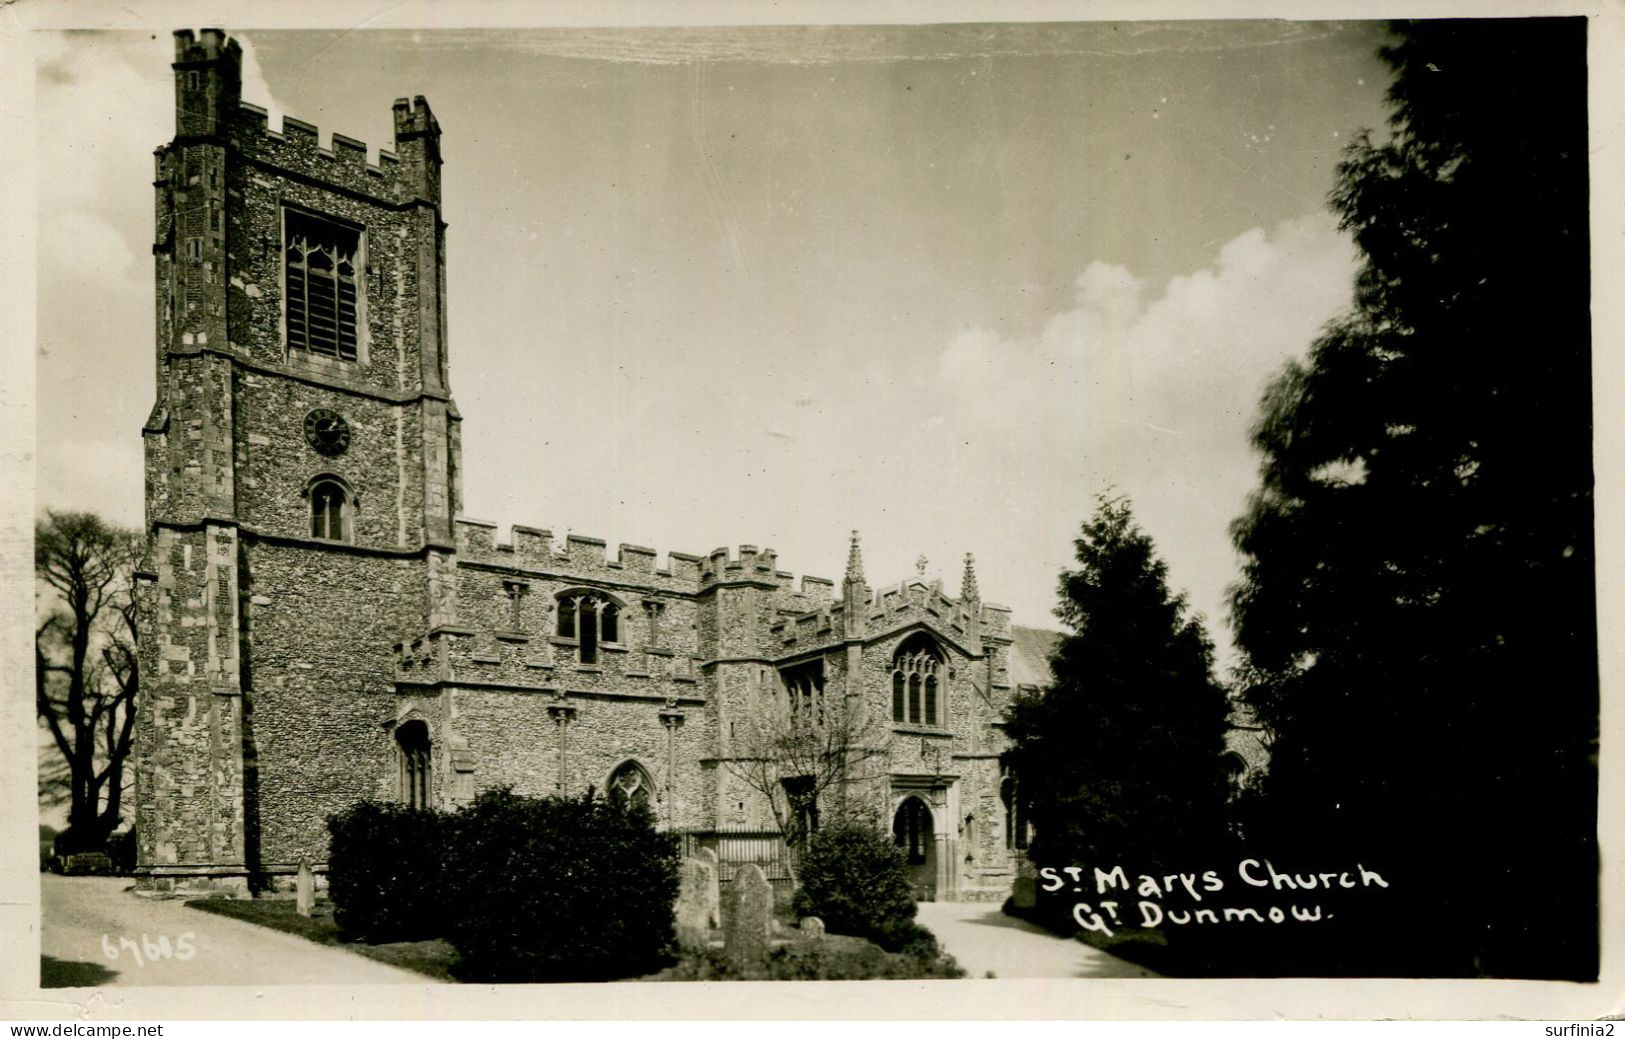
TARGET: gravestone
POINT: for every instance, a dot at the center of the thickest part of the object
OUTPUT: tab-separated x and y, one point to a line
812	927
749	919
304	889
696	907
713	895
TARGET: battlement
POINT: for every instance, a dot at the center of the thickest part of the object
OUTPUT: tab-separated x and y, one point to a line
414	119
817	626
536	548
212	104
208	45
300	142
904	594
761	564
894	608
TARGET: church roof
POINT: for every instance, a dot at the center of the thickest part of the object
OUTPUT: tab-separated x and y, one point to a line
1029	655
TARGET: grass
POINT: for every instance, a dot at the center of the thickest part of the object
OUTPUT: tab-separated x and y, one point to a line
833	957
434	959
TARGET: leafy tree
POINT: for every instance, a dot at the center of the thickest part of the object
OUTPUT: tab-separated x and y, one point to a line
85	673
1417	605
808	760
1119	762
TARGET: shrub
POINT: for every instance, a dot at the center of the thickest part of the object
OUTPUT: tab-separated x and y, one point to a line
383	872
855	879
559	888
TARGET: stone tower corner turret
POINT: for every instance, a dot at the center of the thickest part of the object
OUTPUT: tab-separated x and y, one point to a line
208	82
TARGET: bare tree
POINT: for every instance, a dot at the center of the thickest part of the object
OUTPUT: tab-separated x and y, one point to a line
808	754
86	675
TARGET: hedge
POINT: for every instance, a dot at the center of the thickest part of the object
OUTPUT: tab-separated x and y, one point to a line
384	872
559	888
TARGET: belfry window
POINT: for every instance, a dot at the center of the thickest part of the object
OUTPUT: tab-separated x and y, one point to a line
589	620
320	259
412	753
331	511
916	682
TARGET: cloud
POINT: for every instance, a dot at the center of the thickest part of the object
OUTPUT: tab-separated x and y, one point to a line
256	88
1153	395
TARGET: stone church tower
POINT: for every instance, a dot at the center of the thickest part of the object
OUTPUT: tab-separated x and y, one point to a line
319	624
302	465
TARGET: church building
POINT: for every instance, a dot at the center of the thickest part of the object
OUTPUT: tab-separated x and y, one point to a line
321	625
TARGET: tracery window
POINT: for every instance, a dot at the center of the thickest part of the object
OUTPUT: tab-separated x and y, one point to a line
916	682
590	619
632	782
412	754
804	689
331	510
319	276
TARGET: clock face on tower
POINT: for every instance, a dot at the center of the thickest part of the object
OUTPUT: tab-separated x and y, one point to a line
327	432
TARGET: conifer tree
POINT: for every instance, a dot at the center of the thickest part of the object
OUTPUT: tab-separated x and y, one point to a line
1120	762
1417	606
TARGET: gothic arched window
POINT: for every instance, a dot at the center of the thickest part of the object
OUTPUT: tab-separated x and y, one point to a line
632	782
412	754
589	619
1015	817
916	682
331	510
804	690
319	268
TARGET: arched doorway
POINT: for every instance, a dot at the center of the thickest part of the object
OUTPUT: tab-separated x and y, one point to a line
913	831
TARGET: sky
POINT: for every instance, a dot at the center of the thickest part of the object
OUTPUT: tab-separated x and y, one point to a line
941	284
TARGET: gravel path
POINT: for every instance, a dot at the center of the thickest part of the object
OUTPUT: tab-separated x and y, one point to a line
983	939
79	912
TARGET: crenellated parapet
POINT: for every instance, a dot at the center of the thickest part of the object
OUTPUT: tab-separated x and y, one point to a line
536	548
970	623
209	105
296	149
463	656
995	623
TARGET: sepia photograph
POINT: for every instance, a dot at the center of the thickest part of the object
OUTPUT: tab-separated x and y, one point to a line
657	505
